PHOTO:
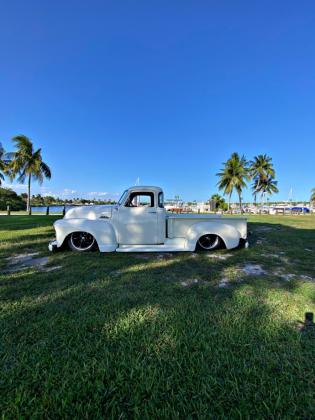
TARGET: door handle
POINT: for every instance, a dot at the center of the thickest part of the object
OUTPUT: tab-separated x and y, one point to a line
152	212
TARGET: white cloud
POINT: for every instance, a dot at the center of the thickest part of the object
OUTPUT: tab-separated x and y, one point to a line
48	194
98	193
71	193
101	194
65	193
15	187
45	191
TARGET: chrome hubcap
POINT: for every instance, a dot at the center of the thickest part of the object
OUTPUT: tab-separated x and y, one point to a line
208	242
82	241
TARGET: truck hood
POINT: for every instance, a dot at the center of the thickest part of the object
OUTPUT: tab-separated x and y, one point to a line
90	212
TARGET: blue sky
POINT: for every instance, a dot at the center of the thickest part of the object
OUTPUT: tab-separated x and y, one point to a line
165	91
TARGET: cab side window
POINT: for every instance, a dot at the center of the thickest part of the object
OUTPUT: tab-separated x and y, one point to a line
140	199
161	200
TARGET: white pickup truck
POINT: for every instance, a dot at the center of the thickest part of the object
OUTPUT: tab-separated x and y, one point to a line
140	223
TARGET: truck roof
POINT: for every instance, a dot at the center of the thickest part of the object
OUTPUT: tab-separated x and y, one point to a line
144	188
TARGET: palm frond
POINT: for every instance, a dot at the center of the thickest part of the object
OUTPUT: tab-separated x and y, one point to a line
45	170
25	162
21	177
23	144
234	174
9	155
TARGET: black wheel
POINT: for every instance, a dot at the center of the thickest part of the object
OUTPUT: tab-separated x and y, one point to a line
81	241
209	242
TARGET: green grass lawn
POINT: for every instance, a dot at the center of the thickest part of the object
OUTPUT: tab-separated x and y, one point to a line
147	336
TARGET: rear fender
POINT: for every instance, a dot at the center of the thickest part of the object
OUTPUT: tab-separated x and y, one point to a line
102	231
229	235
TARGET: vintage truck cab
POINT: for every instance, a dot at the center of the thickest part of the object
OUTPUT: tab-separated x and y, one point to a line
140	223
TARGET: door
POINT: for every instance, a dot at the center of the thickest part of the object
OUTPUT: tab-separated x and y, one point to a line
137	220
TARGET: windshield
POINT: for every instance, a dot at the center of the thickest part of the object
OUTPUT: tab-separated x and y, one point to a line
122	198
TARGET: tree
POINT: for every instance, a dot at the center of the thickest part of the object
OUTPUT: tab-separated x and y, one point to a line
4	161
49	199
27	164
219	202
261	169
267	186
233	176
10	198
313	195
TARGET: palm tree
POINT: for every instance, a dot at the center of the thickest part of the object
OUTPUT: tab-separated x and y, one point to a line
233	176
259	169
218	201
2	164
267	186
225	183
27	163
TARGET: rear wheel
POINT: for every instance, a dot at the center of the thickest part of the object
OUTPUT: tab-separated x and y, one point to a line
81	241
209	242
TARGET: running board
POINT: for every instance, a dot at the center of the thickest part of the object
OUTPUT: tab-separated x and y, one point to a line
152	248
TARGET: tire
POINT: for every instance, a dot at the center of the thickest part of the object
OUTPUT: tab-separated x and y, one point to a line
81	242
209	242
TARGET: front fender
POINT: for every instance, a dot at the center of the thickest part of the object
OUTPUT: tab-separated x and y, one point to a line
230	236
102	230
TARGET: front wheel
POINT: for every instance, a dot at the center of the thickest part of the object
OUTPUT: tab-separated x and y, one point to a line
81	241
209	242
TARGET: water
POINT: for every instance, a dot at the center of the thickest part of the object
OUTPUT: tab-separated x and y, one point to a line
52	209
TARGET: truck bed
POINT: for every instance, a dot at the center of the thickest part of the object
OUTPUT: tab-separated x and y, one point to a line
178	224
